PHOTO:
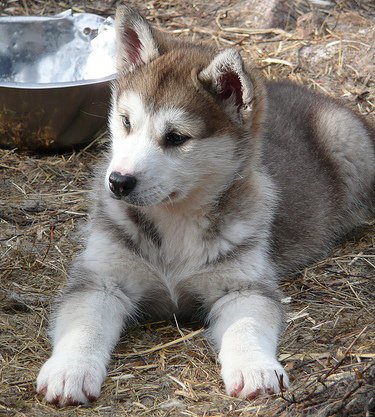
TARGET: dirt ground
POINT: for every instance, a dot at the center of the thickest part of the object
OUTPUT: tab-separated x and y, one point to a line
168	369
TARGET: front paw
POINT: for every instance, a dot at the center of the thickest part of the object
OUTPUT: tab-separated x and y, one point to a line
71	379
246	376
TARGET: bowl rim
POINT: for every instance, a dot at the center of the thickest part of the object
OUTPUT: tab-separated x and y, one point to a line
62	84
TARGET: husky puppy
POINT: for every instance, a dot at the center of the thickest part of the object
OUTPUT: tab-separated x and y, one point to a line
217	184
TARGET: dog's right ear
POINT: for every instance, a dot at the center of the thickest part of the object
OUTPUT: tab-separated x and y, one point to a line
136	42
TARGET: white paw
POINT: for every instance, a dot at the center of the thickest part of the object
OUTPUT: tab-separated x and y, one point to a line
247	377
67	379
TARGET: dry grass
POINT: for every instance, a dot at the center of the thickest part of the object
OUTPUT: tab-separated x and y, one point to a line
168	369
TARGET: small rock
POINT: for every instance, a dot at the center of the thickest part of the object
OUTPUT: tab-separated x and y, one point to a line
262	14
174	403
33	205
310	24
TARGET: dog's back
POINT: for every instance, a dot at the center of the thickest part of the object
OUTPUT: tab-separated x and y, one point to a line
322	158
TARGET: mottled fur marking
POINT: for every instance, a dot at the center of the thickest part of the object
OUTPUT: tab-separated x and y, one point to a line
145	225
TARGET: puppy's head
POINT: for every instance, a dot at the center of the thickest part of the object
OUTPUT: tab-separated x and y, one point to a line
184	118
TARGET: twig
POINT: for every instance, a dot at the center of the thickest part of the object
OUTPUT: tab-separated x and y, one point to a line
165	345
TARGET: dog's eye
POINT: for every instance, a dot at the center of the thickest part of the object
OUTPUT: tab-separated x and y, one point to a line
175	139
126	122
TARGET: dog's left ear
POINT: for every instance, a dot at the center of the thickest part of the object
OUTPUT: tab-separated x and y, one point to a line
227	79
136	41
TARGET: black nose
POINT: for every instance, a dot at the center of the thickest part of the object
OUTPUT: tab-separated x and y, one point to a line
121	185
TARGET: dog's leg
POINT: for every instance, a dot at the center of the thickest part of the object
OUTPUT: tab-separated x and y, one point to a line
87	326
104	288
245	326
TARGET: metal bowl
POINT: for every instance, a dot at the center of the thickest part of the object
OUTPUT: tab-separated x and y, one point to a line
50	95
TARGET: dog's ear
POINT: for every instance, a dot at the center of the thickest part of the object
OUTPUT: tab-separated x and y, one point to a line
136	41
226	78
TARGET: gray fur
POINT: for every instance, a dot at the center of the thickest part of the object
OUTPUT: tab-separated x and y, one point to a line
313	211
